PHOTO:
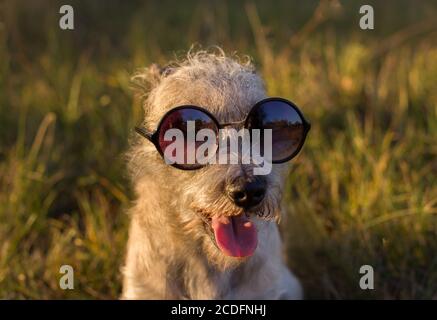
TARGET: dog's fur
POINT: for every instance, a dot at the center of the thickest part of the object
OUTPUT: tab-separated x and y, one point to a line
171	253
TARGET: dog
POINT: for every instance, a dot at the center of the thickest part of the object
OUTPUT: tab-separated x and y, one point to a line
179	216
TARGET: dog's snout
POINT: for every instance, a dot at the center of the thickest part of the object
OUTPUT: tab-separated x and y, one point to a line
246	194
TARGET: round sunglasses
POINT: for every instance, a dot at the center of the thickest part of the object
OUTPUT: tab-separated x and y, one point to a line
283	117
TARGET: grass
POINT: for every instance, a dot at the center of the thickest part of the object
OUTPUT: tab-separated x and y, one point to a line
363	190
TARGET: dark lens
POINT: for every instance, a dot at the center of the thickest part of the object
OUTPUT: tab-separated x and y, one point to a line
286	124
181	119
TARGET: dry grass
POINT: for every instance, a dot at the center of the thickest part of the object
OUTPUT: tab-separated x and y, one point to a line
363	190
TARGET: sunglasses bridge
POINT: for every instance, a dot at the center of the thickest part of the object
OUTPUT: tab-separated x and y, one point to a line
234	123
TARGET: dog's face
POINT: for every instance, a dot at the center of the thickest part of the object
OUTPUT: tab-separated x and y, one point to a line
219	207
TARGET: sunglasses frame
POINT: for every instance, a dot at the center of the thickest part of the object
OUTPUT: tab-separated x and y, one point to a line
154	136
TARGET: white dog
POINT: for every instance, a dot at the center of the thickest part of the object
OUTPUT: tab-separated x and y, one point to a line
209	233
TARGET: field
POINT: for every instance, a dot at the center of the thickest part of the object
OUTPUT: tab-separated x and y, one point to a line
363	191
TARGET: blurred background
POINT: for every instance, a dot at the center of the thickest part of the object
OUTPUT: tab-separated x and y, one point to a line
363	190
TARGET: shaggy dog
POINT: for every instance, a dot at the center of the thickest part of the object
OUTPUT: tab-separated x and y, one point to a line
172	251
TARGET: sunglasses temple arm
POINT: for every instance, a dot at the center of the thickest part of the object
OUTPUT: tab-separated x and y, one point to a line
143	132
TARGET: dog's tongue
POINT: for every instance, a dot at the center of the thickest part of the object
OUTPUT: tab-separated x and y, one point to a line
235	236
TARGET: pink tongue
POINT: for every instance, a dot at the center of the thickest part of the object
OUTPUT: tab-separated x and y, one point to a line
235	236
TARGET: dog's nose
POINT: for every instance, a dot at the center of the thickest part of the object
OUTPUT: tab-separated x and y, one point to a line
247	194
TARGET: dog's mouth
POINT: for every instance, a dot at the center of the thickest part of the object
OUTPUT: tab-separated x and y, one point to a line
235	236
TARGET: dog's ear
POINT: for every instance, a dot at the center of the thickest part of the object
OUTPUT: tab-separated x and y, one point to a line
166	71
148	78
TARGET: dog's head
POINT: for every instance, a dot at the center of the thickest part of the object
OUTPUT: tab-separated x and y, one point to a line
221	207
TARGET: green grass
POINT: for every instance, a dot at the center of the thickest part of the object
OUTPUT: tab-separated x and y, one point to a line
362	191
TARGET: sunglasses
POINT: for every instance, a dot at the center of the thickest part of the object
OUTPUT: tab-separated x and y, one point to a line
287	123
